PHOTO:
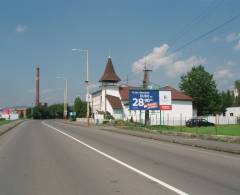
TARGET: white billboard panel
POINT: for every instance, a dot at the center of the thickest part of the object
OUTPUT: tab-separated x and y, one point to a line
165	100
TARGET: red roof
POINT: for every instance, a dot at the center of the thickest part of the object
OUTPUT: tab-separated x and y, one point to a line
114	101
177	95
109	74
124	91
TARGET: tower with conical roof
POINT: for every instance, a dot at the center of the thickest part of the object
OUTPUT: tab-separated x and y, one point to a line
109	76
109	80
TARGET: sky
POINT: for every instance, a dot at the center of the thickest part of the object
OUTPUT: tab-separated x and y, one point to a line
42	33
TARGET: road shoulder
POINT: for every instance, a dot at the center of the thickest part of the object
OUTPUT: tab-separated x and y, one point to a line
7	127
195	142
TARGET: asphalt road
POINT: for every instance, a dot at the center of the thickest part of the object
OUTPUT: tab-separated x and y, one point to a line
52	158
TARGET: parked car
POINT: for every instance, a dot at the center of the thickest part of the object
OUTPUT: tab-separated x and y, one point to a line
198	122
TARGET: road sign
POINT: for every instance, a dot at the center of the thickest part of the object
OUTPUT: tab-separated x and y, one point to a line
88	97
73	114
144	99
165	100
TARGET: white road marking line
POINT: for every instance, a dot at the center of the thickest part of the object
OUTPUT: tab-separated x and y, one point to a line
200	150
119	162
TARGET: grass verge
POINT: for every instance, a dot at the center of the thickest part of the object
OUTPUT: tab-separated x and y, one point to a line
3	122
228	130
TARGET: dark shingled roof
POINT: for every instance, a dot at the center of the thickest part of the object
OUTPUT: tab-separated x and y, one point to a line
177	95
114	101
109	74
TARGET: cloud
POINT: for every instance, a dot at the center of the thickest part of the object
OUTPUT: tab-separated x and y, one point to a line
21	28
216	39
237	46
157	58
182	66
230	38
224	73
231	63
171	62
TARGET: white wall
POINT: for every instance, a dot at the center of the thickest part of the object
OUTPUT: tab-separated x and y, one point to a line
96	102
181	110
234	110
222	120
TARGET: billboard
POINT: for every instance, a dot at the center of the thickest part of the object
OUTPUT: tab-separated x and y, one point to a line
150	100
165	100
144	99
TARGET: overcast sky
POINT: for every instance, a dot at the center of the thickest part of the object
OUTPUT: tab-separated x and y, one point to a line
133	32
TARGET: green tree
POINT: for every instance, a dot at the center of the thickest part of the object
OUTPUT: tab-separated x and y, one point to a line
41	112
37	113
55	111
80	107
227	100
29	113
199	84
237	86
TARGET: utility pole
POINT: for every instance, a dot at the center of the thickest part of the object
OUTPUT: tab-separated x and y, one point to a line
65	97
65	100
87	82
37	100
146	82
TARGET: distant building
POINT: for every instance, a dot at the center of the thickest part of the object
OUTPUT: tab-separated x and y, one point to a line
13	113
233	111
114	98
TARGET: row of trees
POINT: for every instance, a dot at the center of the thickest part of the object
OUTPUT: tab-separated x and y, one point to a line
46	112
200	84
56	111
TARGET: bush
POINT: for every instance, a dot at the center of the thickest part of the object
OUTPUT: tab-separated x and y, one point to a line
105	122
120	123
108	115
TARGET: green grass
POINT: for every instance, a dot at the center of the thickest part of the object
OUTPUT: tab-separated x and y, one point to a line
232	130
3	122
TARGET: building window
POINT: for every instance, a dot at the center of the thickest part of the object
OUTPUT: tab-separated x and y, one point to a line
231	114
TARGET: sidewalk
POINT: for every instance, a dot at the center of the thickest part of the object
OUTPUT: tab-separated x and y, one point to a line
5	128
196	142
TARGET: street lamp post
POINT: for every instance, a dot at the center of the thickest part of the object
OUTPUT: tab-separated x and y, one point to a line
65	97
87	81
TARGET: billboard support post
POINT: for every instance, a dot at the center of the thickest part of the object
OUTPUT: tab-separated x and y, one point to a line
140	117
142	99
160	118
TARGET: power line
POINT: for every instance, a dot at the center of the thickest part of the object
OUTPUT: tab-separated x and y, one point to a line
185	30
207	33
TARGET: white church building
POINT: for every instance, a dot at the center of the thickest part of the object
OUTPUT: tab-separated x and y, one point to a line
113	97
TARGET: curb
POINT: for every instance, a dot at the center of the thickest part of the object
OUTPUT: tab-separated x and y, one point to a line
153	137
3	131
148	135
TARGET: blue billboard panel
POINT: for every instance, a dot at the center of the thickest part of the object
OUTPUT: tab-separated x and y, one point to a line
144	99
